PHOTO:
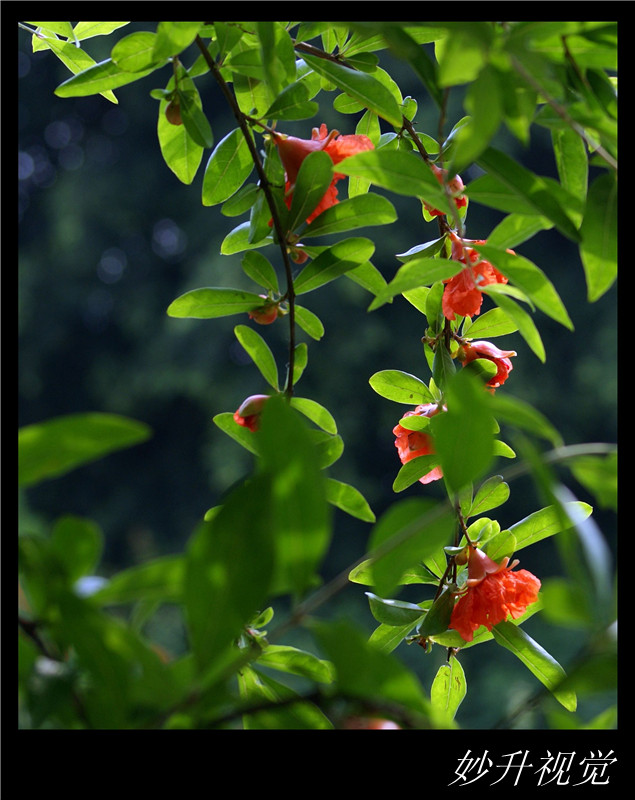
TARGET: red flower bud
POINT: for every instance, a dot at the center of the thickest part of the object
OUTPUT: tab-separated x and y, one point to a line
248	413
455	185
267	313
411	444
473	350
462	294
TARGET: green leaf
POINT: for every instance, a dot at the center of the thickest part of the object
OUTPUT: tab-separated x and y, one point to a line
348	499
313	180
537	660
598	476
75	59
491	494
260	270
211	302
194	120
404	535
61	28
449	687
402	387
238	241
293	103
484	104
78	544
521	319
174	37
52	448
404	46
547	522
531	188
360	86
86	30
598	249
316	413
520	414
180	152
225	421
301	516
229	567
97	79
259	352
228	168
417	272
462	435
361	211
572	162
333	262
394	612
240	201
437	619
398	171
135	53
309	322
492	323
296	662
159	580
414	469
516	229
531	279
278	56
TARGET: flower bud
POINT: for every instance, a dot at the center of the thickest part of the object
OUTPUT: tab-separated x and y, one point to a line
248	413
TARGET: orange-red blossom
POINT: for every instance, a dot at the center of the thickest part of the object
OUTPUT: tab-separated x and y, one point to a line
411	444
293	151
248	413
493	593
455	187
469	351
462	294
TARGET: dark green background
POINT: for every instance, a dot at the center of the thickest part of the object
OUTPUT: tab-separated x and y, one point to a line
108	237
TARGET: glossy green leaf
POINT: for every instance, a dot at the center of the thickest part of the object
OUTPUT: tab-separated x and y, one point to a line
333	262
159	580
598	476
240	201
135	52
415	574
293	103
230	562
398	171
484	104
529	187
237	240
300	360
301	515
531	279
598	249
462	435
309	322
489	325
260	353
61	28
417	272
572	162
394	612
463	52
180	152
278	56
547	522
516	229
211	302
86	30
437	619
228	168
225	421
402	387
520	319
367	276
537	660
75	59
414	469
52	448
174	37
313	179
328	447
491	494
194	120
362	211
311	409
348	499
97	79
360	86
296	662
405	534
260	270
404	46
449	687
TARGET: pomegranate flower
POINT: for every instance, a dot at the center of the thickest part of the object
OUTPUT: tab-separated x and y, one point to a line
455	186
411	444
473	350
462	294
293	151
248	413
493	593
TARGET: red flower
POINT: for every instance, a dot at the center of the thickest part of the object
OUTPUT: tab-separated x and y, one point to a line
411	444
473	350
293	151
462	294
493	592
248	413
455	186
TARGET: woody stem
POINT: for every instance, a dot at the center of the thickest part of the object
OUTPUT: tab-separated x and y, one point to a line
266	188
